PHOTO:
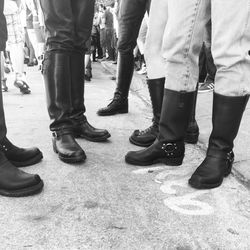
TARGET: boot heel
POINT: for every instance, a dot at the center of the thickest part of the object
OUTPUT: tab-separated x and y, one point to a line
172	161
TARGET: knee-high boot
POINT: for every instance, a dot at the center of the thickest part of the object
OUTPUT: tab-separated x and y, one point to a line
226	118
81	127
169	147
57	78
145	138
119	104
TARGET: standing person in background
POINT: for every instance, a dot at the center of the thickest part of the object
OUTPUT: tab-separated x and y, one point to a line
131	14
101	23
109	29
68	28
16	43
15	182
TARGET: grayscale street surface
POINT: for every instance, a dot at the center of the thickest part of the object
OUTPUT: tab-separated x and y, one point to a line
105	203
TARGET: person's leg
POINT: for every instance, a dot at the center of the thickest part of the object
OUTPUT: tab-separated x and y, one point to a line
17	59
60	46
156	77
14	182
181	53
83	14
3	79
230	49
131	15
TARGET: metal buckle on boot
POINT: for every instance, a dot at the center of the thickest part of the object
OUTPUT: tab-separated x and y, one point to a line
169	148
3	147
230	156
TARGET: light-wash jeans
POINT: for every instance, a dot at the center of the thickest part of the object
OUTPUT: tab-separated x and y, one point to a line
183	37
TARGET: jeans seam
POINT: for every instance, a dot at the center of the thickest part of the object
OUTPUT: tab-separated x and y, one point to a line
189	41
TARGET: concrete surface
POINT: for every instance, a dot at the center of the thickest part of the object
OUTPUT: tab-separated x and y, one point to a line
108	204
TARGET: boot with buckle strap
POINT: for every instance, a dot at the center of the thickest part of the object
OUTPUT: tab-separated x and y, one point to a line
169	147
226	118
20	157
119	103
81	127
57	77
65	145
146	137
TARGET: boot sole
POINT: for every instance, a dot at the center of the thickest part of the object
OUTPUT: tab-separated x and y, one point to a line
36	189
113	113
169	162
98	139
199	185
140	144
37	158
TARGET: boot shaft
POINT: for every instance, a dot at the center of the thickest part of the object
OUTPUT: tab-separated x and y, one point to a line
226	119
175	115
156	91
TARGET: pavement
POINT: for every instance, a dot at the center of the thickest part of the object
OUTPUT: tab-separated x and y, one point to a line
105	203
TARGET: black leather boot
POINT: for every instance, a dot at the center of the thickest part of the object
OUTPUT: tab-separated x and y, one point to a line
81	127
169	147
145	138
58	78
20	157
65	145
119	104
227	114
15	182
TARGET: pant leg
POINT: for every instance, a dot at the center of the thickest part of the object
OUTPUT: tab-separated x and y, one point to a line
83	12
130	19
58	20
142	35
3	129
158	17
230	46
182	42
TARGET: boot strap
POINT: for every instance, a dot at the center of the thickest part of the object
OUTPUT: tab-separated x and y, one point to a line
169	148
221	155
59	133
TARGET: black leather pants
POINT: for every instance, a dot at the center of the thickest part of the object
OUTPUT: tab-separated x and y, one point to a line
68	23
131	15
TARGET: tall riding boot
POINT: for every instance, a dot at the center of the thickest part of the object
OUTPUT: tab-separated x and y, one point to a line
169	147
119	104
226	118
81	126
192	133
146	137
57	78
